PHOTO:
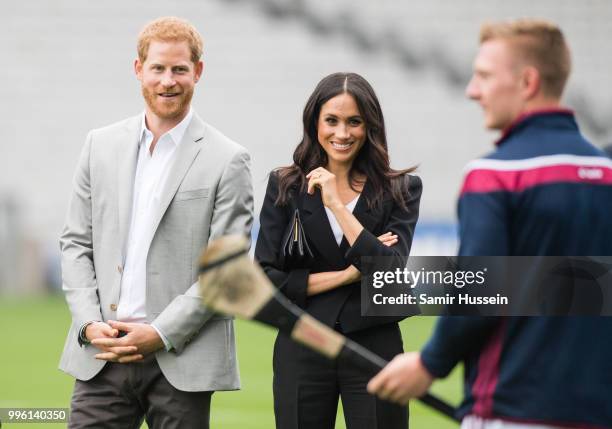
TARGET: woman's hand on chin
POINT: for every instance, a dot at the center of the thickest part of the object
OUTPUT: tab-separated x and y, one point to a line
326	182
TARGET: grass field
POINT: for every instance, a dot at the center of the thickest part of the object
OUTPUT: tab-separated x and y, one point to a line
33	331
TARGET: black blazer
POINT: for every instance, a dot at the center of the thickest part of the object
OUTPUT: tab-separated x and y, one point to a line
340	305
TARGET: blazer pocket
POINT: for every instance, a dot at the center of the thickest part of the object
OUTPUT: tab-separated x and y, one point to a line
192	195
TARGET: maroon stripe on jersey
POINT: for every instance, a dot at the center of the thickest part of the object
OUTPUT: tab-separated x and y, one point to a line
489	180
488	373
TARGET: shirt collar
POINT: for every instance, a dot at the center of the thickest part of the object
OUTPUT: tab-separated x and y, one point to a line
176	134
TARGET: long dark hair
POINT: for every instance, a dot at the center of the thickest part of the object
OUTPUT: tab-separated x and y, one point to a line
372	161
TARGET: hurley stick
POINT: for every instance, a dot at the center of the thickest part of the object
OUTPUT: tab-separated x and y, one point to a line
231	283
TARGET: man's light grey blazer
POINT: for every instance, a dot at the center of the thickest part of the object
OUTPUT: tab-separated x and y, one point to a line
208	194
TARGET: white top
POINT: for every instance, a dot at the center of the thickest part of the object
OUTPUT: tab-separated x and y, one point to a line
151	176
333	222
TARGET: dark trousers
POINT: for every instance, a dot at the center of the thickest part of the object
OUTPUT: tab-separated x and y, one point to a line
307	386
122	395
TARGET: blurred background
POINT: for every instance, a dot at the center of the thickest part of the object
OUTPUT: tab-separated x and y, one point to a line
67	67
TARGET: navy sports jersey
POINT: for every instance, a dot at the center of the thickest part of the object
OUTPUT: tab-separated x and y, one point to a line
545	190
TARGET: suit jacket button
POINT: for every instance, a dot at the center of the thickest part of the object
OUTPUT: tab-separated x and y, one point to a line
113	307
120	269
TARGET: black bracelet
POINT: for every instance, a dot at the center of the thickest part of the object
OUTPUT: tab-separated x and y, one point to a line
82	339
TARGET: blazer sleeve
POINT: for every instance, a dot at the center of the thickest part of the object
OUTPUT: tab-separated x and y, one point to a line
233	212
400	222
79	281
182	319
273	222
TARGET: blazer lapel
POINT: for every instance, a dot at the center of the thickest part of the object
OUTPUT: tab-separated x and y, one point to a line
127	157
186	153
318	229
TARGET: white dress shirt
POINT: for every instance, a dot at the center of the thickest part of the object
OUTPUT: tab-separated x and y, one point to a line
333	222
151	176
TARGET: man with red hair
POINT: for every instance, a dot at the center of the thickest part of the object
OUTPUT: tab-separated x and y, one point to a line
149	192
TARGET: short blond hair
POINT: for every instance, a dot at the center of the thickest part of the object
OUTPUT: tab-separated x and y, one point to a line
170	29
541	44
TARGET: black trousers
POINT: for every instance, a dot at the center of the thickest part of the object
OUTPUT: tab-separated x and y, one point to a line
122	395
307	386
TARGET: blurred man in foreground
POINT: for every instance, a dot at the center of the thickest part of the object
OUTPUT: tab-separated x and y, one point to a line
149	192
544	190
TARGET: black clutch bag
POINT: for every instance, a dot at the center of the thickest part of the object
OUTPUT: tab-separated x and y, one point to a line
295	251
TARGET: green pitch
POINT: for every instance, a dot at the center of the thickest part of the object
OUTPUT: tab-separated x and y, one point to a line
32	333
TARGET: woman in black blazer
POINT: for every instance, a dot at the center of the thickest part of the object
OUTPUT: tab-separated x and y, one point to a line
351	204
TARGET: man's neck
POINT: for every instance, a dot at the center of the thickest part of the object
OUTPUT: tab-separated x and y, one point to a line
540	103
534	105
159	126
531	107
